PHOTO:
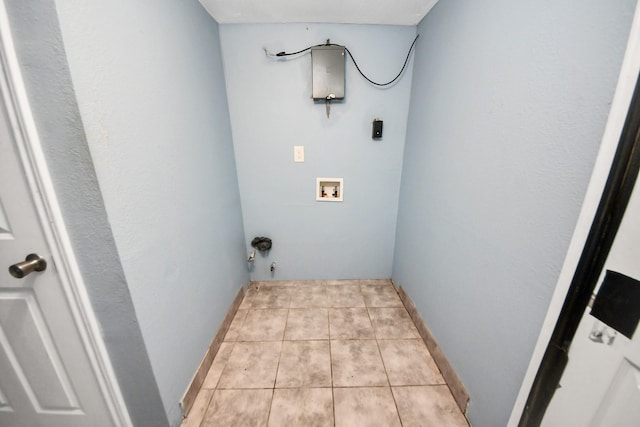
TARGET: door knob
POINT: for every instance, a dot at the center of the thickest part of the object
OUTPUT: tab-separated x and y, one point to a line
33	262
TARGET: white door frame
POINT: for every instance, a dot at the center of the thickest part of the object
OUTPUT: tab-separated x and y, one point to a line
617	116
50	216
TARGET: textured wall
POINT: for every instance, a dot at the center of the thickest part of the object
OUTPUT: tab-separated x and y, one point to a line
271	111
46	76
508	106
150	88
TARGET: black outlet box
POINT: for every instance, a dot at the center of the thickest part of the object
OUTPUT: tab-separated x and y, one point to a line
376	132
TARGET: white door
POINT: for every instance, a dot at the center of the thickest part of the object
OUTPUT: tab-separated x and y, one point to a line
601	384
46	378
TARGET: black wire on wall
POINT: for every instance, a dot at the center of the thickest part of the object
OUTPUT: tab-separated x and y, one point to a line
281	54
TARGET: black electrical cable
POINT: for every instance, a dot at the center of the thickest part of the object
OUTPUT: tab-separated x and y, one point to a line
354	60
396	77
294	53
283	53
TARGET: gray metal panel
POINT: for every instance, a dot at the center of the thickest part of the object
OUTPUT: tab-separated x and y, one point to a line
327	64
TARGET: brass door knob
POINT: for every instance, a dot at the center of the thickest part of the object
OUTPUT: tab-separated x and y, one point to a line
32	263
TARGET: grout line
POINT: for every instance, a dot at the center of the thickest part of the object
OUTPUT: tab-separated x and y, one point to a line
373	386
281	348
375	335
273	393
206	408
384	365
241	324
233	345
393	396
333	396
331	338
275	379
286	323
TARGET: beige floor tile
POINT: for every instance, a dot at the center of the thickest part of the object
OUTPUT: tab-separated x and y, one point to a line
339	282
309	407
345	296
220	361
251	365
246	300
307	324
199	408
264	325
274	284
254	292
424	406
271	297
236	325
365	407
258	378
304	364
392	323
408	362
357	363
380	296
375	282
309	295
232	408
350	323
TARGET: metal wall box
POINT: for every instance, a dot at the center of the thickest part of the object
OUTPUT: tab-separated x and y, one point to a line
327	66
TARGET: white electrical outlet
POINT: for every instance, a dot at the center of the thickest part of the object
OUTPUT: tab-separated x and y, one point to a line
298	153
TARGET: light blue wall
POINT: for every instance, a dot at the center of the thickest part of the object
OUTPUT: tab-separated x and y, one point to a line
53	103
271	111
150	88
508	106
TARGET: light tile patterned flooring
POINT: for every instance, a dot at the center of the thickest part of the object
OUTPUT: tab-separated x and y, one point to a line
323	353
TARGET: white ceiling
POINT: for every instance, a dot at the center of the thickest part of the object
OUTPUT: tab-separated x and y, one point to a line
391	12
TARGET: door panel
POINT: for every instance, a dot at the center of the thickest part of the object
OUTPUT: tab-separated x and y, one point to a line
46	378
600	385
622	399
5	230
4	403
32	354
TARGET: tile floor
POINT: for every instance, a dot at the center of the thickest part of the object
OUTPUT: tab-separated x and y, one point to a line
323	353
